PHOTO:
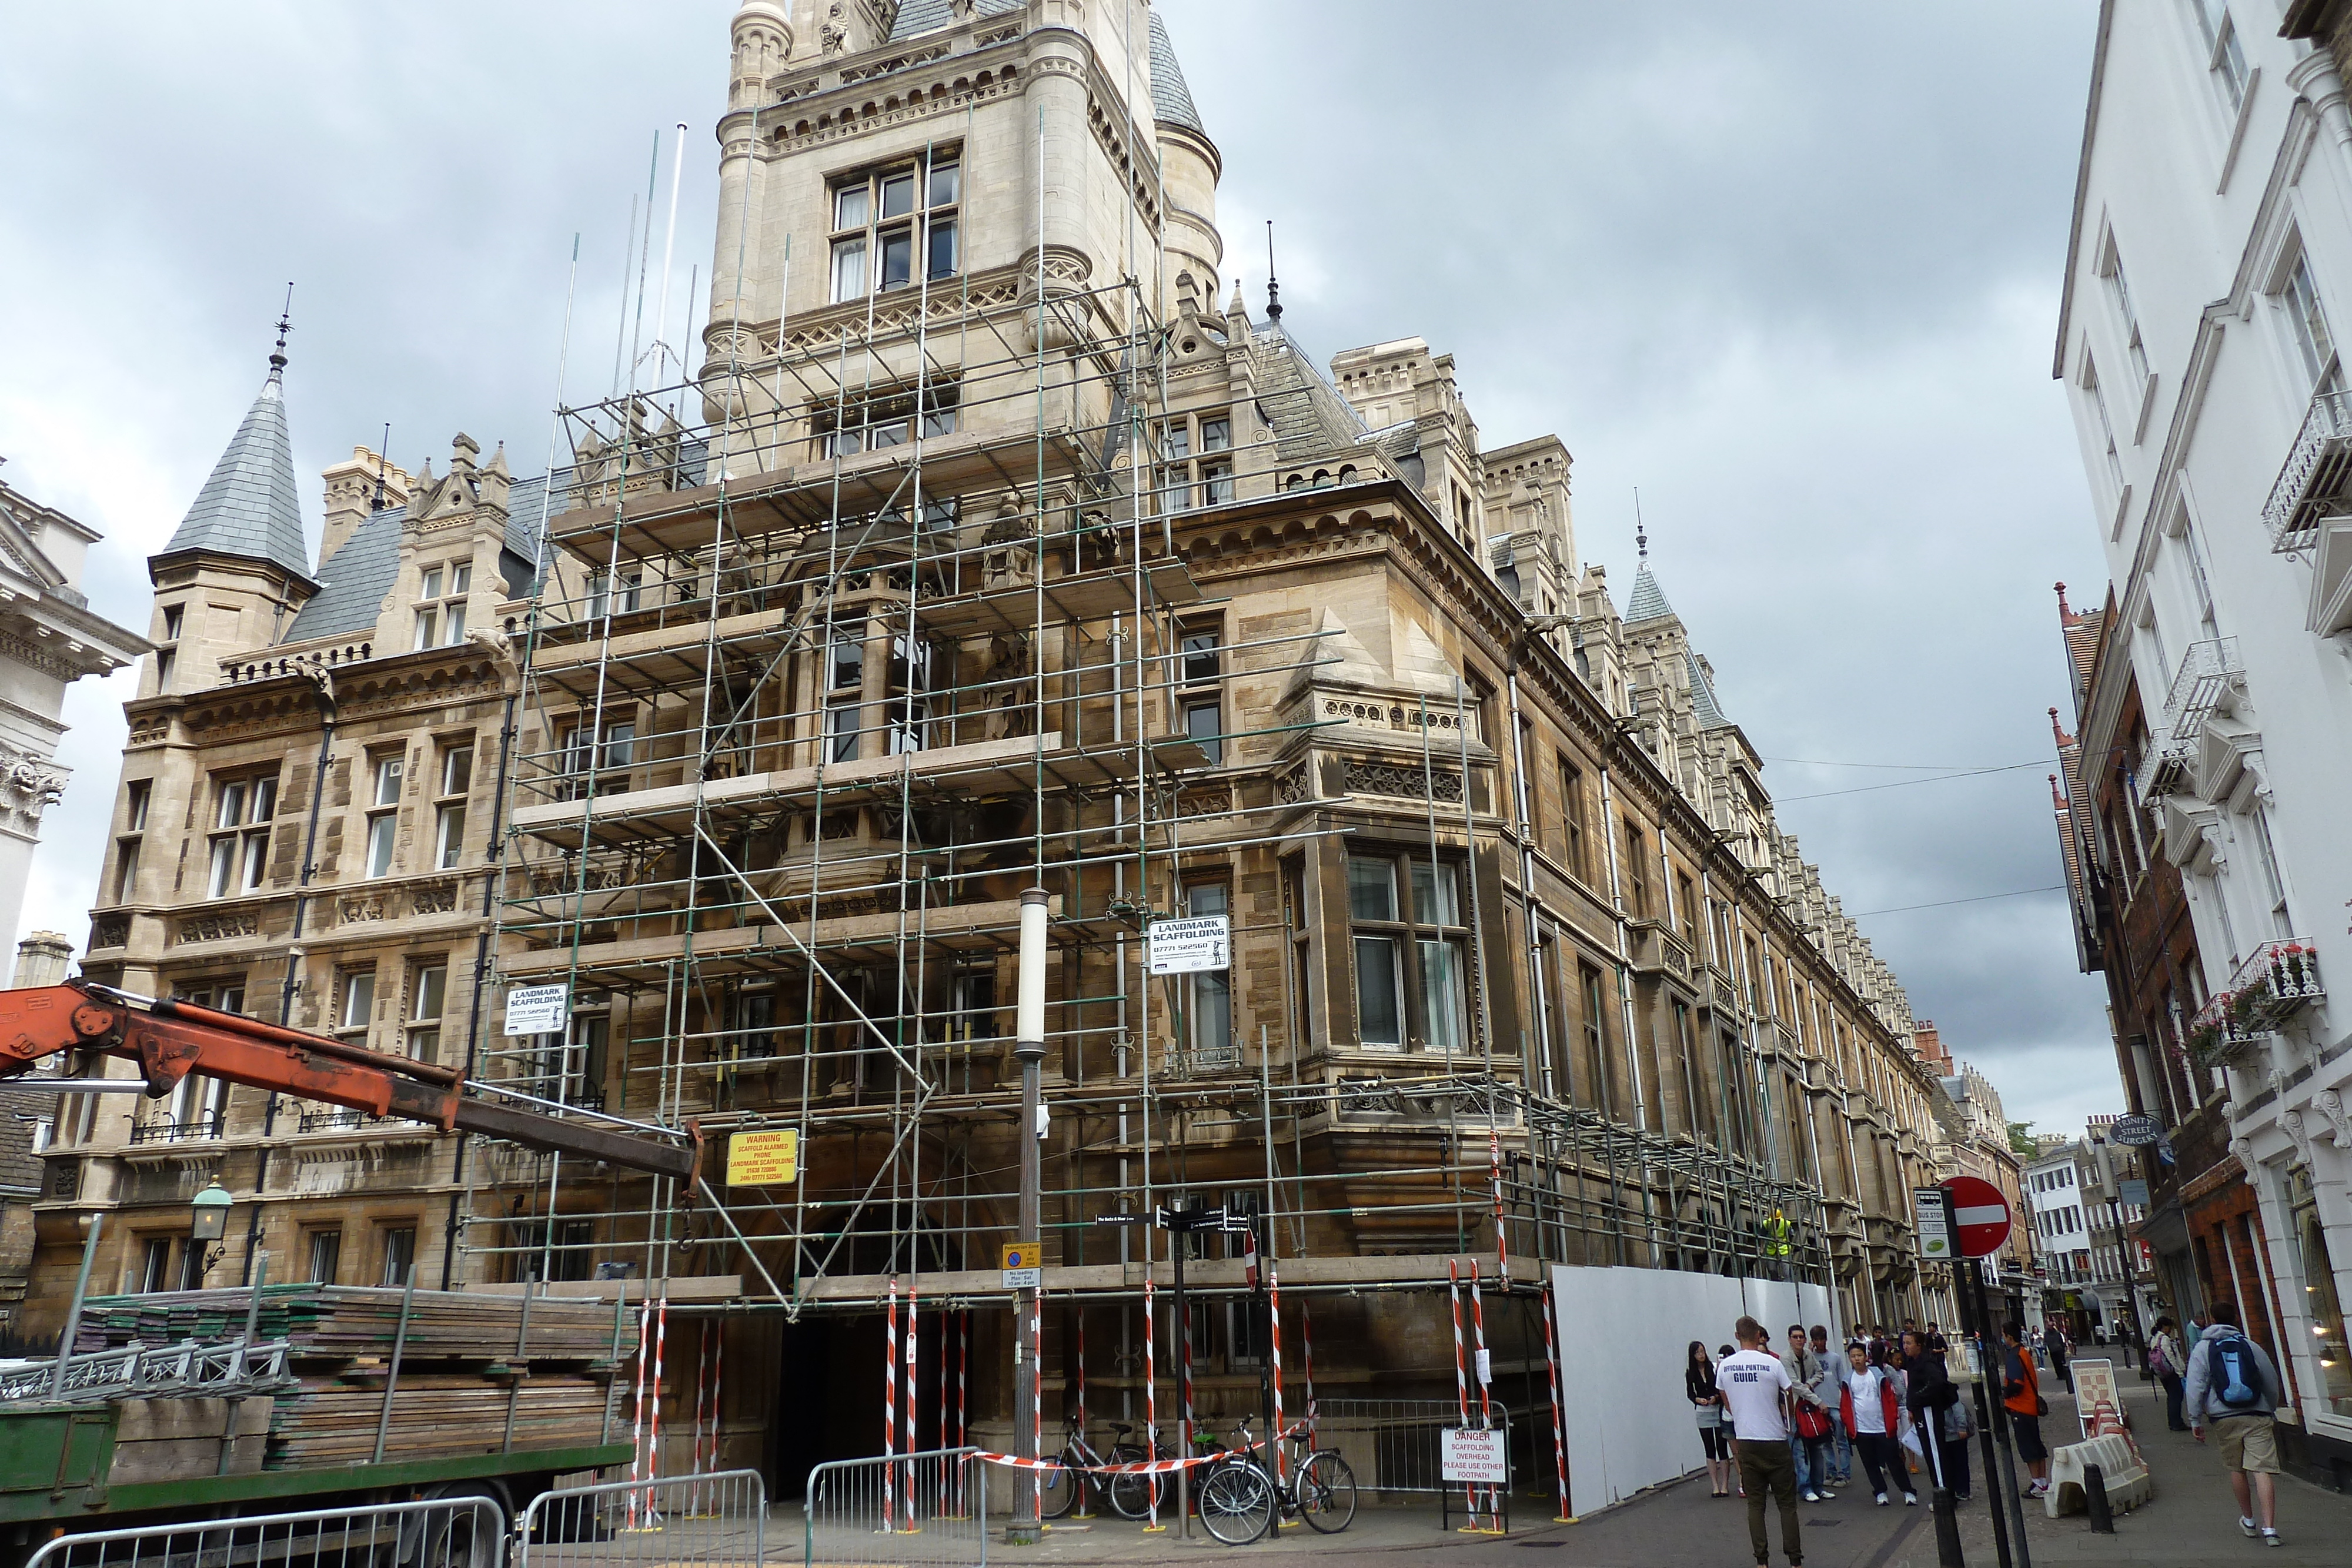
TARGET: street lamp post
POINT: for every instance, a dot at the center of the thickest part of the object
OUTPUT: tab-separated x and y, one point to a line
1029	1049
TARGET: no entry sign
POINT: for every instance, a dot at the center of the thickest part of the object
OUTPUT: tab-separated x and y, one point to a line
1982	1214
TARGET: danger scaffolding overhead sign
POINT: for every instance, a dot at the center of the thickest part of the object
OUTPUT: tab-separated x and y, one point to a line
1188	945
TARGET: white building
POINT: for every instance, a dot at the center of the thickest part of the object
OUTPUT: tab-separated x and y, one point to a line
2075	1197
48	639
2209	282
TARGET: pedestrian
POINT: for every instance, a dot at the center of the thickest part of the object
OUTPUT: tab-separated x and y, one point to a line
1809	1439
1872	1412
1722	1354
2021	1395
1839	1450
2234	1388
2169	1362
1929	1392
1757	1392
1706	1399
2053	1351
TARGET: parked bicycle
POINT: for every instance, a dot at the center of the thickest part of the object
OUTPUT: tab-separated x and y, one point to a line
1059	1491
1321	1486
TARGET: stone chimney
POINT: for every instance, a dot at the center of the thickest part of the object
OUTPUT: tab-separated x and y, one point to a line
351	491
42	959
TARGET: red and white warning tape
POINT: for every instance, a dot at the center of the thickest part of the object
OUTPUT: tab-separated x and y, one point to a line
1134	1467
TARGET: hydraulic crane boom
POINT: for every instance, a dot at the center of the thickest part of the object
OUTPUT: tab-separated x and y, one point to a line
172	1039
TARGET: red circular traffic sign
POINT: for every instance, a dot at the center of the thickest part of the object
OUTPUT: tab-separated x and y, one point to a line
1981	1213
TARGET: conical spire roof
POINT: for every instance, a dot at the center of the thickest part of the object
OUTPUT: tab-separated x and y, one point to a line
248	507
1648	601
1171	96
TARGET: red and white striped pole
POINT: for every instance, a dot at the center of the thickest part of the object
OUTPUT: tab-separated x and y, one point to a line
1485	1394
1559	1438
913	1447
1307	1357
1495	1173
637	1417
1274	1337
1037	1359
946	1441
653	1416
1461	1379
964	1405
1151	1399
890	1412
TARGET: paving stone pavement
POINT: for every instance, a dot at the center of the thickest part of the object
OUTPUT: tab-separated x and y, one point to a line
2191	1523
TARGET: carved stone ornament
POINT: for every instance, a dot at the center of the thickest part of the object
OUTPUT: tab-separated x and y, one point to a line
34	783
2291	1121
2330	1104
219	927
2243	1147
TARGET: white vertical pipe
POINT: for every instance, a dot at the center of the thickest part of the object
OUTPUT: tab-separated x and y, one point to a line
669	243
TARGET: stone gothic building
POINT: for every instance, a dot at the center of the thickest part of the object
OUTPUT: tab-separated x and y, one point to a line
988	551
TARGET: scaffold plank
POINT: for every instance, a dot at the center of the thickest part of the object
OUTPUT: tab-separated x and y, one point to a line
766	946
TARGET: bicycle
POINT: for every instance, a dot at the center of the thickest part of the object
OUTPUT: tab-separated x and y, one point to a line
1236	1497
1058	1490
1322	1486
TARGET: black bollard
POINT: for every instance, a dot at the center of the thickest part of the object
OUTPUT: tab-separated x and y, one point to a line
2094	1498
1947	1529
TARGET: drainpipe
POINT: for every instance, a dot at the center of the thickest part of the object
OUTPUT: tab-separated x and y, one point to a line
481	971
293	960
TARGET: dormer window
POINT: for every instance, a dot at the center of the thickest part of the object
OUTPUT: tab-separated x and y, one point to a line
441	605
890	222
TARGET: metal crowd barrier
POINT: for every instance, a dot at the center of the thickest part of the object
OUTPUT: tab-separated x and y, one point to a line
1393	1445
928	1509
220	1371
456	1532
718	1521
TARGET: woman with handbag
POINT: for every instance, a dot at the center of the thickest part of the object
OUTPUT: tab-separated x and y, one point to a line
1872	1410
1706	1399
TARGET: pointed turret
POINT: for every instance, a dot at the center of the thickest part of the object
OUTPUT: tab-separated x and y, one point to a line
236	570
248	507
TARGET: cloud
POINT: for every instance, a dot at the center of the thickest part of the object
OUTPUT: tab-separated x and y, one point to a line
1791	271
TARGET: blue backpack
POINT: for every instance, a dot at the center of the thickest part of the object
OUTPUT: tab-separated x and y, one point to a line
2232	1381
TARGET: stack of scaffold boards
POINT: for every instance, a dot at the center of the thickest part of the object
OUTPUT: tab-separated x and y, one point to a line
461	1360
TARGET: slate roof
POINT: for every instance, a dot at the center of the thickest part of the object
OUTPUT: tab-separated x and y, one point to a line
1310	418
1648	601
1704	707
248	507
360	574
1172	98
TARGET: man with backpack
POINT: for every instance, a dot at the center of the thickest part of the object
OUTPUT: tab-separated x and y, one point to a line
2235	1389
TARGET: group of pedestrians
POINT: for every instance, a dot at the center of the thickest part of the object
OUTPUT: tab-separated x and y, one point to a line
1785	1425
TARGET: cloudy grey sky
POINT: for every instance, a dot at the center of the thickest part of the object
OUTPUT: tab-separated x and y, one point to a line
1790	270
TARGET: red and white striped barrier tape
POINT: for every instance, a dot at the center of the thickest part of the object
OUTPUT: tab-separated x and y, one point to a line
1133	1467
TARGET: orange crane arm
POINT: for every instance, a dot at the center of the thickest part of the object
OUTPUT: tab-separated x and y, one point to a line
172	1039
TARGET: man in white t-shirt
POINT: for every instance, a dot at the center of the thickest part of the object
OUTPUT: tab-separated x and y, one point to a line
1756	1387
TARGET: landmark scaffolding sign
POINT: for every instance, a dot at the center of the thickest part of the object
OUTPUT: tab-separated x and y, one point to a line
1189	945
537	1009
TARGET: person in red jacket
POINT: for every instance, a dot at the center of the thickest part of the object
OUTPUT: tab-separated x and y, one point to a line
1871	1408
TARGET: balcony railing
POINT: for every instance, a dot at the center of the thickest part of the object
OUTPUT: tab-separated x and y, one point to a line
2208	670
345	1121
2277	980
2316	478
164	1130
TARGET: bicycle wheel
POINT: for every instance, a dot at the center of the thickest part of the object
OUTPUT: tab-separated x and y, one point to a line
1057	1491
1129	1495
1236	1502
1326	1491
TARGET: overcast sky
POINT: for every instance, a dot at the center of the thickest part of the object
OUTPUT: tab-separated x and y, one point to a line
1791	271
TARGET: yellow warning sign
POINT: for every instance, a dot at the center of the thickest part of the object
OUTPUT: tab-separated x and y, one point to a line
763	1159
1024	1269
